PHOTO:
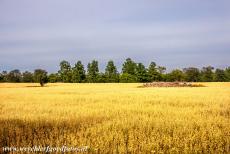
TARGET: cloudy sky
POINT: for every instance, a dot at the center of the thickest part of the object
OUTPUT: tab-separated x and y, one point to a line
173	33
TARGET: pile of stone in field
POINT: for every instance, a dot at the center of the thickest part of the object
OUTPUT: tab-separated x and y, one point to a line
171	84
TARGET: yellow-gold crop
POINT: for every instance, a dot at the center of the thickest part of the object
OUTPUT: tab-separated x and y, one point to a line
116	118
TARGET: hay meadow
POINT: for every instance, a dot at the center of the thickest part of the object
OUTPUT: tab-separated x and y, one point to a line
117	118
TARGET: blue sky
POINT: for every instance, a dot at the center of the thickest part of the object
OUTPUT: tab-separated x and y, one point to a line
173	33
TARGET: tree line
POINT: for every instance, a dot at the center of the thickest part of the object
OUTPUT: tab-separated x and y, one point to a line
131	72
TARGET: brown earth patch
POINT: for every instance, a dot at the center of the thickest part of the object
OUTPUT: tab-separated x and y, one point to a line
172	84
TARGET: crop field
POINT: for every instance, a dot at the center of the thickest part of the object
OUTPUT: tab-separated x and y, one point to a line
116	118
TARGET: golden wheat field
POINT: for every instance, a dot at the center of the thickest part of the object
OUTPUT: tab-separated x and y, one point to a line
117	118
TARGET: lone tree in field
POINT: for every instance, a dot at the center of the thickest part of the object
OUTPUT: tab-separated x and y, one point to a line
40	76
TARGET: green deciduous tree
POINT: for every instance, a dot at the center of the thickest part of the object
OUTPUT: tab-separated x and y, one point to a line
192	74
101	78
40	76
175	75
111	73
65	71
207	74
92	71
127	78
129	67
220	75
54	77
141	73
14	76
153	72
161	70
27	77
3	76
78	73
227	73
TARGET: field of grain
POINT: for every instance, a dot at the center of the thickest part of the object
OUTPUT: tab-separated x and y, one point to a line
117	118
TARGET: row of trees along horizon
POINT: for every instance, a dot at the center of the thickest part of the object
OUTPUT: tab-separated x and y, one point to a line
131	72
